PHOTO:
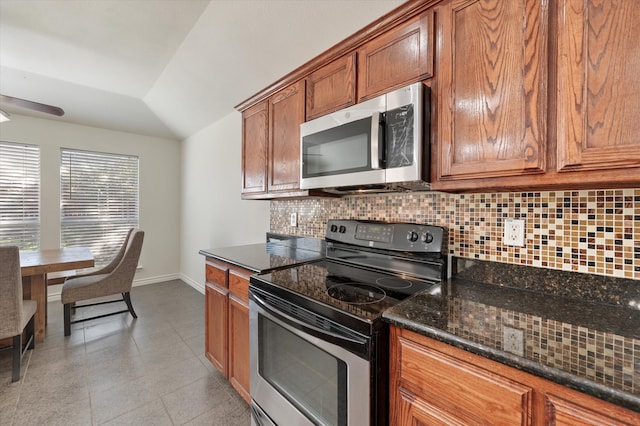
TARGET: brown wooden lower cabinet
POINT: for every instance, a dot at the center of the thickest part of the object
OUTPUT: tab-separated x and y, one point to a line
227	322
216	307
432	383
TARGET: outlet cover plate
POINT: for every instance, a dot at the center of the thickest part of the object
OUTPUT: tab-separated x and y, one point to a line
293	219
513	340
514	232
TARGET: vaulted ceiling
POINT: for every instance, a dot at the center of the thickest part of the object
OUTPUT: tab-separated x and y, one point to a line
164	68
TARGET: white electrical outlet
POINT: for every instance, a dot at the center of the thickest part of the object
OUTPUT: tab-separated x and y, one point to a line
513	340
514	232
293	219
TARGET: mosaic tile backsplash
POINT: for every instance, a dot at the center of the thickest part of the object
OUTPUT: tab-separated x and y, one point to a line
589	231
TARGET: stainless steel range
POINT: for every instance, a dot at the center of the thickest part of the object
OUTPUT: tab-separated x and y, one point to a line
319	346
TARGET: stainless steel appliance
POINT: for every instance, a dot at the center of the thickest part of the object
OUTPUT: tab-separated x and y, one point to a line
319	346
375	146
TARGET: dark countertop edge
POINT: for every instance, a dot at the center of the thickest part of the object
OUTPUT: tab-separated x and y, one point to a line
230	261
615	396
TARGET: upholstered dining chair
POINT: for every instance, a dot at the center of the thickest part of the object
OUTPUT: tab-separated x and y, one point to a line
114	279
16	314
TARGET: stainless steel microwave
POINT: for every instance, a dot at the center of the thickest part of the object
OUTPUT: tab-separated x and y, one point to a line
375	146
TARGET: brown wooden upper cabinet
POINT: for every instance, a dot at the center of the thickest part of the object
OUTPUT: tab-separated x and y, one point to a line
506	122
255	139
525	94
286	113
598	85
399	56
491	71
271	144
332	87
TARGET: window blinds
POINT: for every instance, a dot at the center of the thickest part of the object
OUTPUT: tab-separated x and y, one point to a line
20	195
99	201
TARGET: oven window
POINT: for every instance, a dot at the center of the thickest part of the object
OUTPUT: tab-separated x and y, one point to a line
314	381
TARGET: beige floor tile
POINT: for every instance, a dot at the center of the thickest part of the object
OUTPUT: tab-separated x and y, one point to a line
150	414
121	371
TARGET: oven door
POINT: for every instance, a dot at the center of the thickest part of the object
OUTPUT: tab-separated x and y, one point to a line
301	374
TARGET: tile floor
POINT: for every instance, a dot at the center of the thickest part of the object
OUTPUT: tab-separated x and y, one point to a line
121	371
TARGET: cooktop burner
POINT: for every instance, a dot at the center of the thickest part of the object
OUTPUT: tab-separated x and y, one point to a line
356	294
394	282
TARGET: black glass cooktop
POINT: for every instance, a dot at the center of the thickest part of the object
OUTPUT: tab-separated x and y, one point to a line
363	294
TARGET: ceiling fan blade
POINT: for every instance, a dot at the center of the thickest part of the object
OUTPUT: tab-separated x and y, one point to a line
37	106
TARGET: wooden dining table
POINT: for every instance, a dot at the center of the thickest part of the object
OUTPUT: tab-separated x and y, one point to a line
36	264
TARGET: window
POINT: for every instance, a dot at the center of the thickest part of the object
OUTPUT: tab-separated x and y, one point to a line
20	195
99	201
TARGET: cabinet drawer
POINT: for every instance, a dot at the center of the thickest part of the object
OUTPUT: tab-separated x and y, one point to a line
239	285
216	273
475	393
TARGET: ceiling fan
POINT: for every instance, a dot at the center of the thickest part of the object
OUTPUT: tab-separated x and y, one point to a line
23	103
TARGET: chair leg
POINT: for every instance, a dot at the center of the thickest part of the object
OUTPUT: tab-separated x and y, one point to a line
31	332
127	300
17	355
67	319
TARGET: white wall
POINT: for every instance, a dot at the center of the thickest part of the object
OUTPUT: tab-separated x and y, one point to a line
213	215
159	185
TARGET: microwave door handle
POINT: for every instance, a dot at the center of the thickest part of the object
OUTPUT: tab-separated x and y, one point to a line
375	140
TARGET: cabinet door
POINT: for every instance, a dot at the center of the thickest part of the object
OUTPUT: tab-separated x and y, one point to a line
332	87
408	409
287	113
400	56
216	338
239	362
564	412
491	88
598	85
453	391
255	137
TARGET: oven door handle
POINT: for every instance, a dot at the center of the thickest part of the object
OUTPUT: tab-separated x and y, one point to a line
304	325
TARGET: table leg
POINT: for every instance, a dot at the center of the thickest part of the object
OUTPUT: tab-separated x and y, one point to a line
34	288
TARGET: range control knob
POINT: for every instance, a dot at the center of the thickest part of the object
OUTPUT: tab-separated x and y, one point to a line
427	237
342	229
333	228
412	236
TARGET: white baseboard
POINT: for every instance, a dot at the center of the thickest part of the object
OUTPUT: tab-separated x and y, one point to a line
54	291
196	285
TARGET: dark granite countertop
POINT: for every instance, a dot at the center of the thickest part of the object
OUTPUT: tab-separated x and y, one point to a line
579	330
279	252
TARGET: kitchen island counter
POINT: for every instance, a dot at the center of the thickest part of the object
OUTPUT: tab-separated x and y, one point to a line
578	330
